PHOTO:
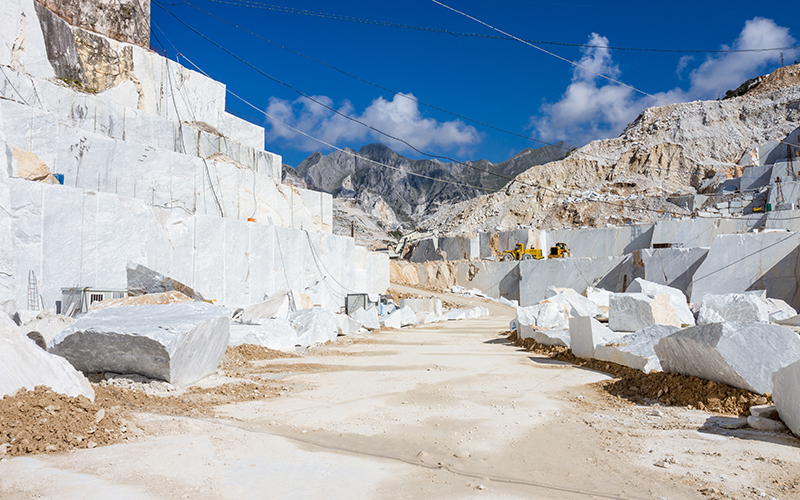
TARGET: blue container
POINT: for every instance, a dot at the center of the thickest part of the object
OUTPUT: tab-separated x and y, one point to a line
59	178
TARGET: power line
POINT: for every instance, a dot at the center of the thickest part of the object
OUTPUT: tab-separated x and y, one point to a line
330	108
508	178
337	17
385	89
552	53
275	119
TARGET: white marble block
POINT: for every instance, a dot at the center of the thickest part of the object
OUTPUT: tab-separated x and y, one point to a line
740	354
178	343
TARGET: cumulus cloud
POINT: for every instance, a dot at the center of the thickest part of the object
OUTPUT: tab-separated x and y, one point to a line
399	117
594	108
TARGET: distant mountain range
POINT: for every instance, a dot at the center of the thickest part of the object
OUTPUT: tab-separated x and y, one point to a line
410	197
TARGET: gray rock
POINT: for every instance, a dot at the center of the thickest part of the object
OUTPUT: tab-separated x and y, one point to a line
142	280
749	306
178	343
740	354
631	312
763	411
676	298
23	365
637	349
765	424
585	333
786	394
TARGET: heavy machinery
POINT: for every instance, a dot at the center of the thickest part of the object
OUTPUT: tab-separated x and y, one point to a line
522	253
559	251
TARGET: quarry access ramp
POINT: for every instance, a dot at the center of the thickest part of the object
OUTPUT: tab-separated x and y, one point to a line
449	410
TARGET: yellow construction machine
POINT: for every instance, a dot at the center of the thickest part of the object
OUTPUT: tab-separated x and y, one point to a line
559	251
521	253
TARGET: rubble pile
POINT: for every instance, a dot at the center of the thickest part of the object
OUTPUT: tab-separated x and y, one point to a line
736	341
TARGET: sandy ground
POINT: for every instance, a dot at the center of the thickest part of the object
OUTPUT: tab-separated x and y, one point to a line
451	410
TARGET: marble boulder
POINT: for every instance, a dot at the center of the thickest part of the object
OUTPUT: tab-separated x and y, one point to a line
739	354
178	343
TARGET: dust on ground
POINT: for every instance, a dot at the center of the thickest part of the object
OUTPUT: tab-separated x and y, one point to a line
667	389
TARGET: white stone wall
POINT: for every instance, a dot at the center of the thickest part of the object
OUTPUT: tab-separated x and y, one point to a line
70	237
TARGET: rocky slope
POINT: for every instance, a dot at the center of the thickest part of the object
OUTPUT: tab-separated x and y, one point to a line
397	197
674	148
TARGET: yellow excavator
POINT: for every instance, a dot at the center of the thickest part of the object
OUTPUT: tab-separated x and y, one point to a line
521	253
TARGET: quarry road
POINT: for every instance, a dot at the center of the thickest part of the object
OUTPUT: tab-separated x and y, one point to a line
450	410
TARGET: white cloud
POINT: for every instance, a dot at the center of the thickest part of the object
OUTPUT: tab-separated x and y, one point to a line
594	108
399	117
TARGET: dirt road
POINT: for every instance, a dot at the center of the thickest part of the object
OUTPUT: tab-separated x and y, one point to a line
439	411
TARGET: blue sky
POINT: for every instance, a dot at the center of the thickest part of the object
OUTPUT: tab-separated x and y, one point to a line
503	83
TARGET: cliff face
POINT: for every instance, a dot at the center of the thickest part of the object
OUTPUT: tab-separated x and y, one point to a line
674	148
123	20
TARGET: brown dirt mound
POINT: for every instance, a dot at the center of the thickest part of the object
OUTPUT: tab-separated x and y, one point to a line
669	389
240	355
42	421
778	79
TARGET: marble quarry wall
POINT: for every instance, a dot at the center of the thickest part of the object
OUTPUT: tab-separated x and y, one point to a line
155	172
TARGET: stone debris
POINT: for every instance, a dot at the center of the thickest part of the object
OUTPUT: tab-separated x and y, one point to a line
548	315
178	343
786	394
748	306
367	317
586	333
276	306
599	298
23	365
171	297
763	411
574	304
779	310
676	298
429	305
765	424
637	349
274	333
631	312
347	325
46	323
393	320
314	326
143	280
552	337
724	352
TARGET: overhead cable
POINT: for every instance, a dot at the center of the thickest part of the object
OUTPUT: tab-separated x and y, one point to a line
337	17
577	65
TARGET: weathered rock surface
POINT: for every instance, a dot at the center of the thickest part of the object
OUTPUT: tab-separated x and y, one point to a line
749	306
142	280
47	323
585	333
276	333
122	20
637	349
276	306
631	312
314	326
547	315
740	354
24	365
676	298
178	343
552	337
786	394
574	303
368	318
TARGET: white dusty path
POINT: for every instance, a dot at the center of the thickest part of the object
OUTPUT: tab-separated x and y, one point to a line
448	411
